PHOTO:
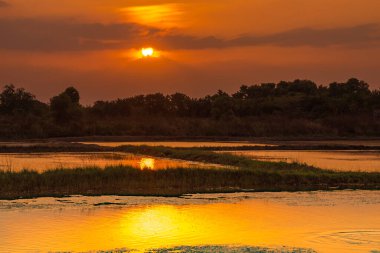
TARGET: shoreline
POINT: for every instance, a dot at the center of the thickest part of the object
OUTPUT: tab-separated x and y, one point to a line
83	147
197	198
163	138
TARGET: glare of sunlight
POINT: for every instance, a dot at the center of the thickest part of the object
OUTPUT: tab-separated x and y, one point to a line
147	163
147	52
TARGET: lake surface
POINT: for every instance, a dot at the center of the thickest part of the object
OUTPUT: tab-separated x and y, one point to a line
339	221
262	143
179	144
329	159
46	161
257	143
354	142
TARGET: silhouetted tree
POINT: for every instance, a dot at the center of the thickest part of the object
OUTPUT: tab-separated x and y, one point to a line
13	101
65	107
298	107
222	105
157	104
180	104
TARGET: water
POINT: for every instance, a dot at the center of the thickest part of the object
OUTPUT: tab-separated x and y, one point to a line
348	142
329	159
179	144
189	144
47	161
340	221
260	143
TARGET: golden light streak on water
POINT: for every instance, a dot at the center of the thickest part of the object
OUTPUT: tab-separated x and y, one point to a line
342	221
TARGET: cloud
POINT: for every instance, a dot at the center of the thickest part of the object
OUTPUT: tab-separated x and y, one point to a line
350	36
362	35
4	4
63	35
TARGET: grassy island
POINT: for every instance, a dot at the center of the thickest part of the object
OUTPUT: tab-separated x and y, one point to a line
244	175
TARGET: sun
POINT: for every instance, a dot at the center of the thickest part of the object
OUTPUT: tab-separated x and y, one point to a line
147	52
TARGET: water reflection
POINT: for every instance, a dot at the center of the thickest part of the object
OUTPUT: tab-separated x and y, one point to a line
147	163
46	161
180	144
330	159
150	222
346	221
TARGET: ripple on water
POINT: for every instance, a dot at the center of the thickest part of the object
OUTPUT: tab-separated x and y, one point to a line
337	221
367	237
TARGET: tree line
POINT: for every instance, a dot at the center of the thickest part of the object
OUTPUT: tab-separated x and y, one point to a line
295	108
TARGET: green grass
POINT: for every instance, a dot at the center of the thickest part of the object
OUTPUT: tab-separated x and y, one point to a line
250	175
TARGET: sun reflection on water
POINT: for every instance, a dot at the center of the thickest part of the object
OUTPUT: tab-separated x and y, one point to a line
147	163
305	220
151	222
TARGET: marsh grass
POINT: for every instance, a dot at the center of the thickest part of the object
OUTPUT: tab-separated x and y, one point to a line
123	180
205	156
6	163
250	175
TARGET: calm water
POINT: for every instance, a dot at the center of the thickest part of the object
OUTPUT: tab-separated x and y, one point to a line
179	144
341	221
188	144
368	143
335	160
45	161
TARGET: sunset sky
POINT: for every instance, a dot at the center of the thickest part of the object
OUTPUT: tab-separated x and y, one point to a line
200	45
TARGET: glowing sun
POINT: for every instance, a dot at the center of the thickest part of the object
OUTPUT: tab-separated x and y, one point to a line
147	52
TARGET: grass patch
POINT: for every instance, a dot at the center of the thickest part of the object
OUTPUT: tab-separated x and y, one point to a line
251	175
206	156
122	180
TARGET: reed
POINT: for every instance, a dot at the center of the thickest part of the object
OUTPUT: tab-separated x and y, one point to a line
206	156
123	180
246	175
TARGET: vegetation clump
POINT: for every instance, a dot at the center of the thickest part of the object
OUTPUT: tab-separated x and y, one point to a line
248	175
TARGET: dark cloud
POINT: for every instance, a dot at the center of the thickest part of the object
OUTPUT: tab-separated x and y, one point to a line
363	35
64	35
351	36
4	4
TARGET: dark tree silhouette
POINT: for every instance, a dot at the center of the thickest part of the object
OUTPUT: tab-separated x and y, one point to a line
13	101
65	107
299	107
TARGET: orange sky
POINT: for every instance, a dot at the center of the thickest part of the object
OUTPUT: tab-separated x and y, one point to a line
204	45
